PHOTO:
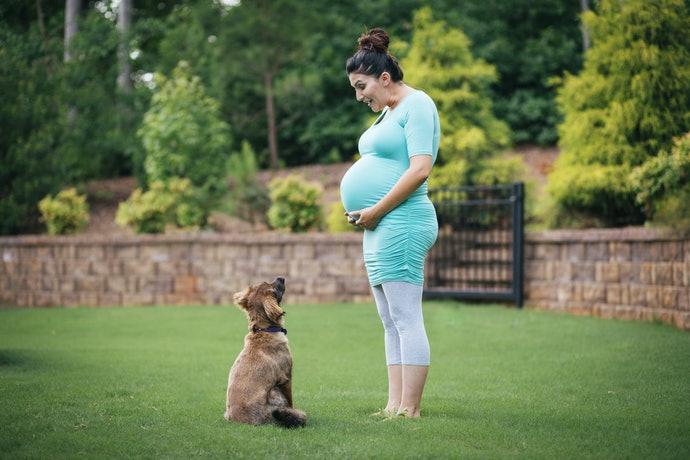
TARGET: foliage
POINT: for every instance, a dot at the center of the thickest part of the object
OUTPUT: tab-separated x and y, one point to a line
64	123
295	204
591	196
174	203
184	137
630	100
529	42
440	62
29	112
247	198
500	170
96	137
527	384
662	185
66	214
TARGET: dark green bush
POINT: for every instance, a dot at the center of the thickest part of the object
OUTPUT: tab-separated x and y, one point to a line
247	198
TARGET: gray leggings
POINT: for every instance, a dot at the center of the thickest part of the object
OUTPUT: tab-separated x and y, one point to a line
400	308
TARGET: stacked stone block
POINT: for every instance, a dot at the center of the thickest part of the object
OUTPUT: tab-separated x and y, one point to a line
177	269
635	273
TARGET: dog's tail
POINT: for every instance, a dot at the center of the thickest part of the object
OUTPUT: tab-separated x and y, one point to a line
289	418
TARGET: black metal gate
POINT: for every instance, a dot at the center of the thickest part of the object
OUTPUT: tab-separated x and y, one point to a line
478	253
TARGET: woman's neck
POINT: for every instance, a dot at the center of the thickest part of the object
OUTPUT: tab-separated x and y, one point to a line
400	91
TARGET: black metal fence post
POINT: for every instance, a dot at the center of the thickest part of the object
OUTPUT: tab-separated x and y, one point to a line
518	240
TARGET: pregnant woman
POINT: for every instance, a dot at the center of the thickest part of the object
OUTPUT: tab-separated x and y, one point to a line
385	192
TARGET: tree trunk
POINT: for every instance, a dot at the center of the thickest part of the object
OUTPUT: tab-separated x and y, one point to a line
124	22
72	8
271	119
586	44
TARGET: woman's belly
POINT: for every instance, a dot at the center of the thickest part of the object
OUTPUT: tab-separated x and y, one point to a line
368	180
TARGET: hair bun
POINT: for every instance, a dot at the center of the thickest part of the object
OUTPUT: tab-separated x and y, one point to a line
375	40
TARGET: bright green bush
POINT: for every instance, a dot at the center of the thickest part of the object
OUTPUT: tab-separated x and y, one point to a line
494	170
591	196
66	214
166	204
336	221
662	185
453	174
629	101
295	204
500	170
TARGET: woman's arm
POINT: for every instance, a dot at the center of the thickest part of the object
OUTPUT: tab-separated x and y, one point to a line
411	180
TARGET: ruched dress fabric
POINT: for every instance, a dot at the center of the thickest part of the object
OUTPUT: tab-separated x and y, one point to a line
396	249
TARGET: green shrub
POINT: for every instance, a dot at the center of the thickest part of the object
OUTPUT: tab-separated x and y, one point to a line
295	204
336	222
494	170
175	203
247	199
66	214
452	174
662	185
500	170
592	196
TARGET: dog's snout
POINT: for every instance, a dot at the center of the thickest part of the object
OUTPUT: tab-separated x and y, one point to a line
279	283
278	287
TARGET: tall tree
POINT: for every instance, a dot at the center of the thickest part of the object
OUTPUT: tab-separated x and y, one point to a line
124	23
262	36
586	43
72	9
440	62
31	49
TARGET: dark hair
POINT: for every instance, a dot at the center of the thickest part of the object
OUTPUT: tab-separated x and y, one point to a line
372	56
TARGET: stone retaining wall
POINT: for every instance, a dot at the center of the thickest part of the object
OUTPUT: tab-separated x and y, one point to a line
178	269
638	274
633	273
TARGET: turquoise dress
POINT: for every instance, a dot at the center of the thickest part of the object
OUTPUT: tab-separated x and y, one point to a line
396	249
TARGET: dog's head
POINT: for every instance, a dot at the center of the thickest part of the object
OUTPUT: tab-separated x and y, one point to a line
261	303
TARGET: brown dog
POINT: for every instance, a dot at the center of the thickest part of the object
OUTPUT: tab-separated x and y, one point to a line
260	381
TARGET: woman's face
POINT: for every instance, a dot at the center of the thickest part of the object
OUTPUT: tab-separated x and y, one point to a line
370	90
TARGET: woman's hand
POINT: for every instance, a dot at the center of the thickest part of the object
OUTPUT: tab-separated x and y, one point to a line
365	218
411	180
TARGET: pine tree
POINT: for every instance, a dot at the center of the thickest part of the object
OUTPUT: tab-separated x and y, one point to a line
439	61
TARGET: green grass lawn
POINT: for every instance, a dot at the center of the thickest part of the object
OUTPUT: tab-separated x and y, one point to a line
150	383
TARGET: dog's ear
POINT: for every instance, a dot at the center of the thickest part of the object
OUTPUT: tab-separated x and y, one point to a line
272	308
241	298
